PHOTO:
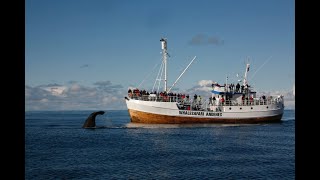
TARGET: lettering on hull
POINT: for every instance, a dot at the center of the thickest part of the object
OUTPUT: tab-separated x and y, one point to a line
199	113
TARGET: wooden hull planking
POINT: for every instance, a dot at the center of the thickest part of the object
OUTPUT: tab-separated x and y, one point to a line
150	118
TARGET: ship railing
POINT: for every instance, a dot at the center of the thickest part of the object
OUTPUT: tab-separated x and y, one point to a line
203	103
233	90
244	102
159	98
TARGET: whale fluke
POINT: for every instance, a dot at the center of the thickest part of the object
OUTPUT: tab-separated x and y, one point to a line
91	120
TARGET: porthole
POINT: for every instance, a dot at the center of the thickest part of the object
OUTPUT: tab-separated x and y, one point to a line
267	107
229	108
240	108
251	107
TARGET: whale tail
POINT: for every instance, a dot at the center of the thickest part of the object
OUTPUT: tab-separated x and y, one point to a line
91	120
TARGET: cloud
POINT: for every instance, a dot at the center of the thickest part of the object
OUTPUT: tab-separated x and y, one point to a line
54	89
102	83
207	83
84	66
202	39
75	97
107	86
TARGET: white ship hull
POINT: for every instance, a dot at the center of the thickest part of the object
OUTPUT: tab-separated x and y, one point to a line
168	113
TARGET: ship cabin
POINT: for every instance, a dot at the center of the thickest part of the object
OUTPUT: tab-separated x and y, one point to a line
229	95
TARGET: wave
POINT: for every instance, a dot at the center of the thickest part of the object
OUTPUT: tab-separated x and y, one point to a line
288	119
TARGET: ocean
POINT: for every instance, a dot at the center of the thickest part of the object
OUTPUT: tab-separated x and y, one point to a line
57	147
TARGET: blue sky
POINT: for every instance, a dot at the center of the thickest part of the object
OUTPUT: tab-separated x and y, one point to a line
82	54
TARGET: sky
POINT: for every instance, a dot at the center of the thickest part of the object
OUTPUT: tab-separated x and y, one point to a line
84	55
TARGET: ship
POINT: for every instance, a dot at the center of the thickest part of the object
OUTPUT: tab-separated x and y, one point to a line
226	103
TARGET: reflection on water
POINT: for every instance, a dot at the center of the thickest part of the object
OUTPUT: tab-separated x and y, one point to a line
142	125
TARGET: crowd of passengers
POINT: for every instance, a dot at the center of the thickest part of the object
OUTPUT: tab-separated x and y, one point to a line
232	88
174	97
135	93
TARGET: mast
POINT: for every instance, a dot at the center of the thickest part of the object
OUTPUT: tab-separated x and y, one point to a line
245	75
245	81
164	57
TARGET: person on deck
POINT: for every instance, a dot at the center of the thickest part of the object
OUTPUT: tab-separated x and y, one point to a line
237	87
130	93
251	99
222	100
218	101
195	98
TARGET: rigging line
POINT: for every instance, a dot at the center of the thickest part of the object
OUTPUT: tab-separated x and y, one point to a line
157	78
182	73
160	76
260	68
148	74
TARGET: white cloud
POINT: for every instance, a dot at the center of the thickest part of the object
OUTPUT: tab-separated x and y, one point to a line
75	97
55	90
75	87
205	83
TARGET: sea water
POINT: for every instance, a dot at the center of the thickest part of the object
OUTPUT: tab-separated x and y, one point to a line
57	147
